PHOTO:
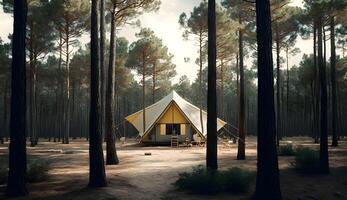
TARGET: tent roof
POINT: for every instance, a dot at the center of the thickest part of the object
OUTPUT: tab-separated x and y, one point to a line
154	111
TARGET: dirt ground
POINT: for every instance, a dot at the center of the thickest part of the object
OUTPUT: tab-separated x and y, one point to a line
152	177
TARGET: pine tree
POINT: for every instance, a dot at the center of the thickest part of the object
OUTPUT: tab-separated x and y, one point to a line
16	185
211	150
97	176
268	184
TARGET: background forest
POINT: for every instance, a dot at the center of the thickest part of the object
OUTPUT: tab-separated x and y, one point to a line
58	66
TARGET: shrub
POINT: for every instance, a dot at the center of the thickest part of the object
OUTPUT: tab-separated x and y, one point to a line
306	161
238	180
37	171
286	150
200	180
203	181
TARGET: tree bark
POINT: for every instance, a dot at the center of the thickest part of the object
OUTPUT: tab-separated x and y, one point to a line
16	185
67	61
56	116
61	88
32	87
267	185
111	154
278	85
287	95
324	157
241	151
6	133
144	92
97	176
211	150
103	77
221	104
237	92
316	85
333	82
153	86
4	125
200	83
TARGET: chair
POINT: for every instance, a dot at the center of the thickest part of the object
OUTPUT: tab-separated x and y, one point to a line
197	139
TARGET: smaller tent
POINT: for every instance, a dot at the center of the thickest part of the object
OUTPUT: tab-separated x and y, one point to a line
172	115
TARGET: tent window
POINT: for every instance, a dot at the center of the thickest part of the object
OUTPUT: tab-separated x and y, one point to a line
162	129
173	129
183	129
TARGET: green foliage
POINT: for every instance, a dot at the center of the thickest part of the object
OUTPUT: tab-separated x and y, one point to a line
183	87
128	11
306	161
150	54
203	181
37	171
200	180
238	180
286	150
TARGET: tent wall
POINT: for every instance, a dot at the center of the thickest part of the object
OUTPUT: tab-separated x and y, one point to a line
155	137
173	116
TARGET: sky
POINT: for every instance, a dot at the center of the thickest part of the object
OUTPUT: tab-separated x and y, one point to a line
165	25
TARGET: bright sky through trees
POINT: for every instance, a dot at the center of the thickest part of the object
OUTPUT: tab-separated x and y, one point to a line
168	29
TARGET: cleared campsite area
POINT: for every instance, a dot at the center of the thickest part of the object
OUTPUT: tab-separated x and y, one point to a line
152	177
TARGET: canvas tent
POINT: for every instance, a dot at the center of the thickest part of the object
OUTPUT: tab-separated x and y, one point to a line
171	115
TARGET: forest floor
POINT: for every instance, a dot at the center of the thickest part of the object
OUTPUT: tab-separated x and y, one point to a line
152	177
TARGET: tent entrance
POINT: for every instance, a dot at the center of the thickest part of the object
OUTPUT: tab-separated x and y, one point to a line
173	129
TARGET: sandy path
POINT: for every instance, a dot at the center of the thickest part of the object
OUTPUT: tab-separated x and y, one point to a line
152	177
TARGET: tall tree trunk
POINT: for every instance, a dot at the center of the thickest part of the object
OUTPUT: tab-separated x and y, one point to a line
200	83
211	151
6	133
333	82
97	176
16	185
237	92
4	122
111	154
35	120
287	95
32	88
221	104
324	48
241	150
324	157
278	85
316	85
67	61
312	109
73	109
153	85
61	87
56	116
267	185
144	92
340	110
103	77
